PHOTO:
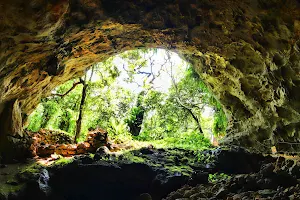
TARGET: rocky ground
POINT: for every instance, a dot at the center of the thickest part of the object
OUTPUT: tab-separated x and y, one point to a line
271	182
155	174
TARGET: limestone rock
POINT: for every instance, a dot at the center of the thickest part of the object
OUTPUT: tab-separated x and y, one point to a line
247	52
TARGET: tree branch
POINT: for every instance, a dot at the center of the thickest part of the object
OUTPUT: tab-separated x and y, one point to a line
72	88
177	97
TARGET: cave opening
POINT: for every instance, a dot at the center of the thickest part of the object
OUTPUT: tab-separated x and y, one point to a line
137	123
246	52
140	97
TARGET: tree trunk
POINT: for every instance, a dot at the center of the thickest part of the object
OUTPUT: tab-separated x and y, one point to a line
184	106
79	120
193	115
83	97
196	119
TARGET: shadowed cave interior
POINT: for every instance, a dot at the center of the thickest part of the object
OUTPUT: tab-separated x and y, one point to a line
245	52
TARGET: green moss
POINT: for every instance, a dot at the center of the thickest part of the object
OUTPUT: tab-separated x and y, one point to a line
6	189
62	161
33	168
218	177
204	158
184	170
137	159
18	175
29	172
92	155
131	157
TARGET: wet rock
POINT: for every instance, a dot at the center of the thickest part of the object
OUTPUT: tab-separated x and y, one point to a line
154	174
295	170
284	179
2	196
43	182
266	193
268	183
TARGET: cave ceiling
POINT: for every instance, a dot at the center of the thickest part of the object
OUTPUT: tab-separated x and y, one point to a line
247	52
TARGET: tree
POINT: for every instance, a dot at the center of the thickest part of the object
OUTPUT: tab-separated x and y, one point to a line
179	92
136	116
188	107
188	95
82	102
101	99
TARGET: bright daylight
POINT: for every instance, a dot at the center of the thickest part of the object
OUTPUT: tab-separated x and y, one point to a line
140	97
149	99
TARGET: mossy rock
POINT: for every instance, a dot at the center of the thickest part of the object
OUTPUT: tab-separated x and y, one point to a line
17	177
62	161
29	173
183	169
133	158
7	189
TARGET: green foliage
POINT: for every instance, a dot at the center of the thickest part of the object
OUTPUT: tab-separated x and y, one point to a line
57	112
117	129
188	140
36	119
166	117
135	120
218	177
135	111
151	114
205	158
220	123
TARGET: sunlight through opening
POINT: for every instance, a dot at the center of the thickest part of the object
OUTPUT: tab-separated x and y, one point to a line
140	97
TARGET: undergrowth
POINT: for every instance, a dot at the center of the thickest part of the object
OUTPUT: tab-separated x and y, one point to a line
188	140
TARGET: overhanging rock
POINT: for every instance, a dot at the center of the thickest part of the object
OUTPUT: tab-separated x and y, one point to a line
247	52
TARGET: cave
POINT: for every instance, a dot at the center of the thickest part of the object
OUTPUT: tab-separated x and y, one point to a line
246	52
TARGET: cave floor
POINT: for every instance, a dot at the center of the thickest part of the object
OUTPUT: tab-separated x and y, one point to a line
148	173
8	177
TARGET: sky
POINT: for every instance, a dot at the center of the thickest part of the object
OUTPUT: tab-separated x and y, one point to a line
161	83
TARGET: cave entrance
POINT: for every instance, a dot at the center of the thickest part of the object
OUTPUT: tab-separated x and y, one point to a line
144	95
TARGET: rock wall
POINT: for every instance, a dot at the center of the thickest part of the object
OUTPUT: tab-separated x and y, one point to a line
246	51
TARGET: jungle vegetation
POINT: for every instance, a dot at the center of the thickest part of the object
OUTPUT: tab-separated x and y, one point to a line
146	95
